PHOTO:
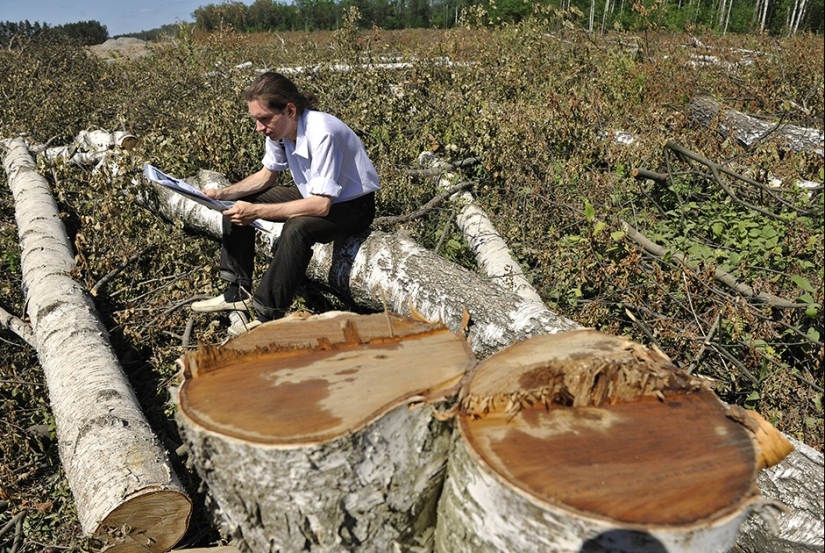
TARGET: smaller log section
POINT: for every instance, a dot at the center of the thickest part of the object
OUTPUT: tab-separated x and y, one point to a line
319	433
581	440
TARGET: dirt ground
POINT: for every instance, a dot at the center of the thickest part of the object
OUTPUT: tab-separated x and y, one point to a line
114	49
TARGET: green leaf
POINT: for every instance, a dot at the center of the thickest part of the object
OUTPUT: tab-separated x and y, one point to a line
589	210
598	227
759	344
805	298
811	311
617	235
803	283
812	334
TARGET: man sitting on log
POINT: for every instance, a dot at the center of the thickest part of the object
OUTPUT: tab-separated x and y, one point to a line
334	197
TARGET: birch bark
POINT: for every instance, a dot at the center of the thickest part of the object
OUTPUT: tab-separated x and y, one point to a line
330	448
748	130
125	491
493	255
379	270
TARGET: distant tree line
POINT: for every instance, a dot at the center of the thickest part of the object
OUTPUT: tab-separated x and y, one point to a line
723	16
779	17
84	32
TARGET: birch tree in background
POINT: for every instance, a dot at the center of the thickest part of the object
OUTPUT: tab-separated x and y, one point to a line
760	14
796	15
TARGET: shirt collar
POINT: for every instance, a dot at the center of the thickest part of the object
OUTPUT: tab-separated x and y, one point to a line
301	142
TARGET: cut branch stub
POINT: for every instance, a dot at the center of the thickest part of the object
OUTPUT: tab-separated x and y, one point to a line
322	428
603	437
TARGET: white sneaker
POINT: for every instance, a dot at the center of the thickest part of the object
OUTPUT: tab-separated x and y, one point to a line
218	303
242	327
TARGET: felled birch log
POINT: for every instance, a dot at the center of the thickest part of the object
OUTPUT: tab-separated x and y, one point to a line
380	270
748	130
493	255
582	441
794	517
125	490
318	433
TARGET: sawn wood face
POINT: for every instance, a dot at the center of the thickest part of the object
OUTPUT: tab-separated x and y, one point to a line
668	462
609	428
317	393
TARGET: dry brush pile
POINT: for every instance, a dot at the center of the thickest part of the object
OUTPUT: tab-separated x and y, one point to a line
540	106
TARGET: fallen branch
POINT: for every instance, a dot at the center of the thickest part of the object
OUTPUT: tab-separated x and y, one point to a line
117	270
427	208
639	173
716	169
18	326
719	275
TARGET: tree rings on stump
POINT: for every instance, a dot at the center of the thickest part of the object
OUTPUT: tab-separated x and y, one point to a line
582	441
321	433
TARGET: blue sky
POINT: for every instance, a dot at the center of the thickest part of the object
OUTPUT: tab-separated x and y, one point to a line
119	16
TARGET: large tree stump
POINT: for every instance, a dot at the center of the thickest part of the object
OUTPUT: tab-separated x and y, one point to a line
319	433
582	441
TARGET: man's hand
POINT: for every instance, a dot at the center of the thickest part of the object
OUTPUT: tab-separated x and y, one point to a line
256	182
242	213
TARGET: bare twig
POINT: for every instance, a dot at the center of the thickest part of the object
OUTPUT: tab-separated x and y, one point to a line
187	332
716	169
171	309
705	344
646	331
444	231
724	353
787	369
16	520
172	278
18	532
113	273
426	208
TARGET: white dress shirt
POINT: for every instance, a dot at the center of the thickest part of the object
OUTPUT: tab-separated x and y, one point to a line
326	159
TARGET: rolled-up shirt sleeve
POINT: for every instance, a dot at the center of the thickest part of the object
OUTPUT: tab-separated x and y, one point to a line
325	172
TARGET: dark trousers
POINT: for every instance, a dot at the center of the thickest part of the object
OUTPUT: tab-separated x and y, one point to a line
293	249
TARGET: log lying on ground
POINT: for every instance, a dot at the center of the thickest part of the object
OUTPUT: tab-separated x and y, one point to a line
126	493
318	433
98	147
492	253
749	130
390	270
795	518
581	441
